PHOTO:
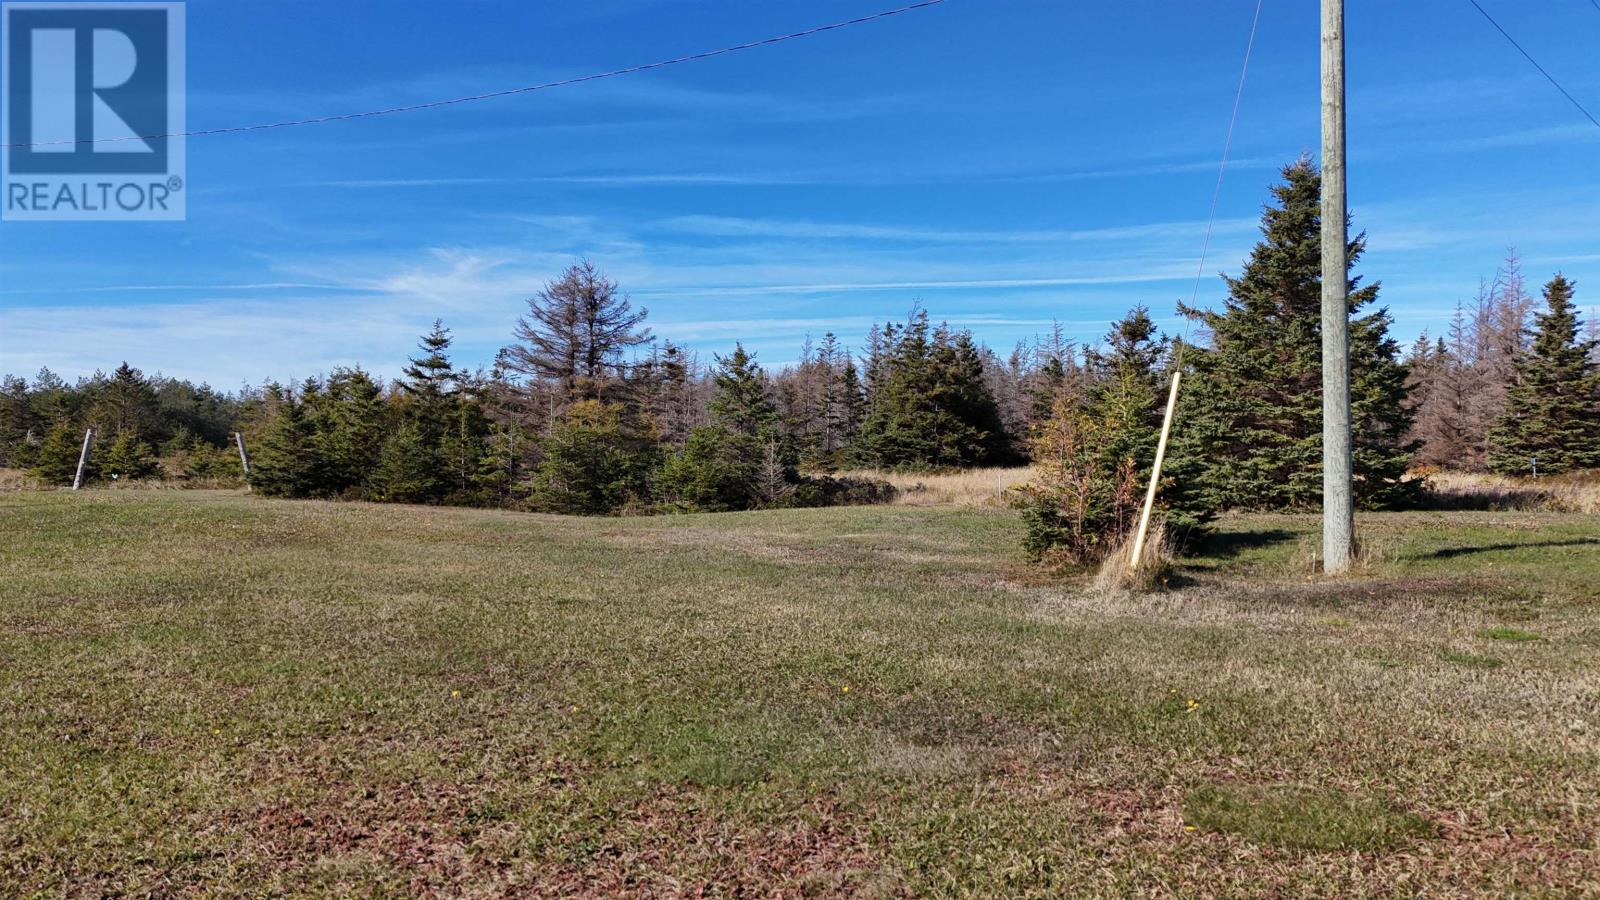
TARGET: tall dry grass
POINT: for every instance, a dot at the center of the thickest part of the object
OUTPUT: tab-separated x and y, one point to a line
18	480
1151	571
969	487
1578	492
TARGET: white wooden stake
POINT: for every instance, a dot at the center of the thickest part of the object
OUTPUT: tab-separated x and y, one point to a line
1155	473
83	458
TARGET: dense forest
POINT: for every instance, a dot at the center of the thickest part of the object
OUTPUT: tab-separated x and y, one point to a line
585	411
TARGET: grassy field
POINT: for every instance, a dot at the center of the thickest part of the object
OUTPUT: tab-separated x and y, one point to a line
209	693
969	487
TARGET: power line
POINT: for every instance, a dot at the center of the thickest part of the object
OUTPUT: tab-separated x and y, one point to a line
1136	553
1222	168
1529	57
494	95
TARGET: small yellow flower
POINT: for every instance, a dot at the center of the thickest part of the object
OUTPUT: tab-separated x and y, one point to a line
1188	828
216	731
845	689
574	709
455	694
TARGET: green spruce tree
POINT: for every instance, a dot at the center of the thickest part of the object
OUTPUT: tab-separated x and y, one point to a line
127	458
928	404
1249	429
55	461
282	463
741	403
430	383
593	463
1553	408
408	467
1126	389
349	420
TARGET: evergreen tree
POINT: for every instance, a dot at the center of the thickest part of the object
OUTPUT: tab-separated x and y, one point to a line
408	467
500	463
430	384
844	405
961	390
17	424
52	400
56	460
415	468
127	458
126	402
203	459
348	420
463	447
282	463
741	403
1125	390
1249	429
1084	499
928	403
185	410
718	470
574	335
1553	407
593	464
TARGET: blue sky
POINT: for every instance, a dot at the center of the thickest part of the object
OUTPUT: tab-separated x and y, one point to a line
1005	163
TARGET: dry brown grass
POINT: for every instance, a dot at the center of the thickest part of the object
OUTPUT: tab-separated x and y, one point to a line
968	487
1152	571
207	693
18	480
1578	492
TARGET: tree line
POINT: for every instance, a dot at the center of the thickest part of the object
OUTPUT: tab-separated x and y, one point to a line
142	421
585	411
1509	388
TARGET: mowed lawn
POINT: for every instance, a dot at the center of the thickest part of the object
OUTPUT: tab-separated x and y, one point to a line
211	693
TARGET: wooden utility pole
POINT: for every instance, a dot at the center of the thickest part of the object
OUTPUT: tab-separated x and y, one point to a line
1338	523
83	458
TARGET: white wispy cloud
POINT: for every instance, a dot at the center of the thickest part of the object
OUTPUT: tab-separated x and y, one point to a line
728	226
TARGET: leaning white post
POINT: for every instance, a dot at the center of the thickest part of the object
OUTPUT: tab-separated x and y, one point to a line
1155	474
244	458
83	458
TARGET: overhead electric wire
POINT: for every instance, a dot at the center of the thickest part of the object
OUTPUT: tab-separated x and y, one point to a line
1136	553
1222	168
1529	56
493	95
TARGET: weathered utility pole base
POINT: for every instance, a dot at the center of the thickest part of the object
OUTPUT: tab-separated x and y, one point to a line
1338	524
